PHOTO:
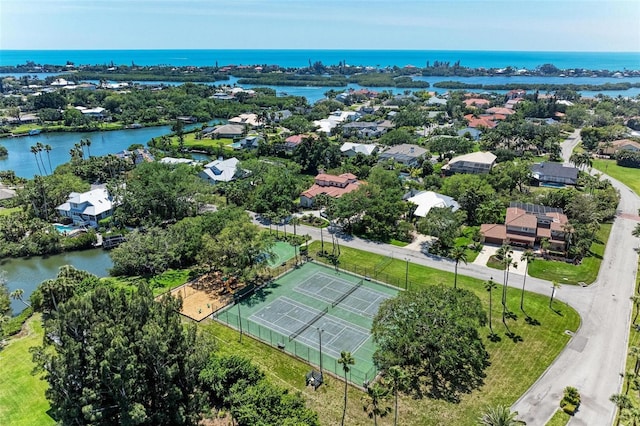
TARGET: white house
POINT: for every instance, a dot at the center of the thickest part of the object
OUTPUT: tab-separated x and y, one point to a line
426	200
350	149
220	170
475	163
87	208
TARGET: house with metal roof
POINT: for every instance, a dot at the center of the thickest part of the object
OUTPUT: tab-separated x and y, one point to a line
548	172
220	170
407	154
475	163
87	208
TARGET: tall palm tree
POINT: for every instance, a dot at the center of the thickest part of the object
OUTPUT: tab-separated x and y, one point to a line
458	253
554	286
397	382
634	351
374	402
34	151
346	360
17	295
636	230
489	286
40	148
528	258
499	415
636	306
623	402
87	143
47	149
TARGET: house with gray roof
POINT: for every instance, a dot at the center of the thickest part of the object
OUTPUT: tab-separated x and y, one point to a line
548	173
228	131
350	149
407	154
87	208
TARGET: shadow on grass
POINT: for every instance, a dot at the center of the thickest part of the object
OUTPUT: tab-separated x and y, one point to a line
532	321
494	337
514	337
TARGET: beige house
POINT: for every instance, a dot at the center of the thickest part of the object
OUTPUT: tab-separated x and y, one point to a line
474	163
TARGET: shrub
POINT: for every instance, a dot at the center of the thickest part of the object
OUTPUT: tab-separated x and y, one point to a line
570	409
570	401
14	325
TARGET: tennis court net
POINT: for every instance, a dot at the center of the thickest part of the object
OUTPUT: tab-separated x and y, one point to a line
347	294
309	324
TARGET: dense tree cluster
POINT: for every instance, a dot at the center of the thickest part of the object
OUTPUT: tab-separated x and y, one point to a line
433	336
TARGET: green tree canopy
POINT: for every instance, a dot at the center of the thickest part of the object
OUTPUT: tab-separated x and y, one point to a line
433	336
112	358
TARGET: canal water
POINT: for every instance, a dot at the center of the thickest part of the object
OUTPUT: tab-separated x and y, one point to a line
28	273
23	162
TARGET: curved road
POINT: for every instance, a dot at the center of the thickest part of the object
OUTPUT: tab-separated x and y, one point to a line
595	357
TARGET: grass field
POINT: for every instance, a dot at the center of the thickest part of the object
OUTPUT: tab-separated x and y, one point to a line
158	284
568	273
190	141
10	210
515	365
626	175
22	400
634	340
560	418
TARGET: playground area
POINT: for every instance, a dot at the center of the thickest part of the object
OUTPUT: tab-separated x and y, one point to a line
207	294
312	310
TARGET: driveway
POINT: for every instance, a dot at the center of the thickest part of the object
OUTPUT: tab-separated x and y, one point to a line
594	359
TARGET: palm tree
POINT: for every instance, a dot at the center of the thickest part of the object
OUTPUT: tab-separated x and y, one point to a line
634	351
527	257
376	395
47	149
34	151
87	143
40	148
636	305
345	360
629	378
490	285
622	402
632	416
458	253
397	380
17	295
499	415
554	286
636	230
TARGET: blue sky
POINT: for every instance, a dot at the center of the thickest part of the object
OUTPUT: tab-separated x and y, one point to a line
551	25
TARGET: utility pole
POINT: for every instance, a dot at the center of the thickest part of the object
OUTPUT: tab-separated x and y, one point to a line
320	331
239	320
406	274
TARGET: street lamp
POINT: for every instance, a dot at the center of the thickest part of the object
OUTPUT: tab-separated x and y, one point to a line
320	331
239	319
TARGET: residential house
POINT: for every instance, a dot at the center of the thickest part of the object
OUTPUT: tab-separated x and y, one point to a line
292	142
350	149
474	132
475	163
250	142
247	120
477	102
516	94
611	148
500	111
367	129
407	154
228	131
486	121
97	112
326	125
426	200
330	185
174	161
549	174
220	170
87	208
137	156
527	225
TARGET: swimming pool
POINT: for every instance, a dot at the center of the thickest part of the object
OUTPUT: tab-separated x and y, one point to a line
64	229
553	185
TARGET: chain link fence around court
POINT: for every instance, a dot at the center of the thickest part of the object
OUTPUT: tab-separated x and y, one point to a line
375	273
357	376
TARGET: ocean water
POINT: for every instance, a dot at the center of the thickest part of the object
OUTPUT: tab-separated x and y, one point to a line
617	61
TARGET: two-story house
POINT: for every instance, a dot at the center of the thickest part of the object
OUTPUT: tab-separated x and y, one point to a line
87	208
330	185
527	225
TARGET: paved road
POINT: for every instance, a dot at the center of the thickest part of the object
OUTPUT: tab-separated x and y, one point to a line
595	358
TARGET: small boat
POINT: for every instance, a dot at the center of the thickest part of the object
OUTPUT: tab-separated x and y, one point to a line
34	132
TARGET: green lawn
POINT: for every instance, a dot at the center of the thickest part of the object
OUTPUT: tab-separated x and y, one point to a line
626	175
22	400
190	141
634	340
515	365
560	418
568	273
10	210
159	284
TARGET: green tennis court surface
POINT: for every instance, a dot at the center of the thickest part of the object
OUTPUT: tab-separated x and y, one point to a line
281	252
311	303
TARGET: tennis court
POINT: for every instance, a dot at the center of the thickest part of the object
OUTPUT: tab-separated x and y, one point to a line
281	252
315	305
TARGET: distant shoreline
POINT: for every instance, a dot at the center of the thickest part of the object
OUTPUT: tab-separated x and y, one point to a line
297	58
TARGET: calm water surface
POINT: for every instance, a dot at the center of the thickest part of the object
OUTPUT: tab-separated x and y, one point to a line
28	273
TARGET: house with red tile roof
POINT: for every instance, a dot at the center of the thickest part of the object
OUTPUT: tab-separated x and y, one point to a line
526	225
330	185
500	111
480	121
476	102
516	94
